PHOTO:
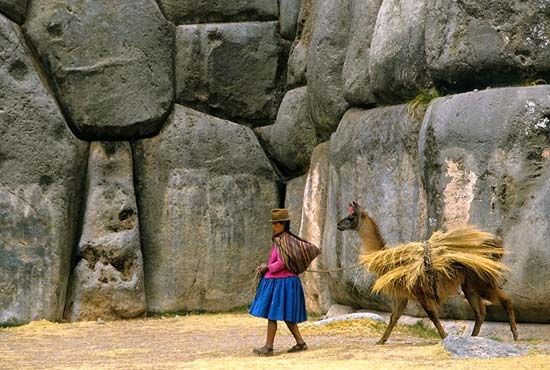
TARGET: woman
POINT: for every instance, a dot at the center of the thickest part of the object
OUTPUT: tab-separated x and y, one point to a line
280	296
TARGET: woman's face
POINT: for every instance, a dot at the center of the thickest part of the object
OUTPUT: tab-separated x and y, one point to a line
277	228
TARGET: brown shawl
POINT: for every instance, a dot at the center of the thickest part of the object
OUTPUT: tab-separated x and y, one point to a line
295	252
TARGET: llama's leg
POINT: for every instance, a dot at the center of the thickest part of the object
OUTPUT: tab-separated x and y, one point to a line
430	306
398	306
476	303
506	303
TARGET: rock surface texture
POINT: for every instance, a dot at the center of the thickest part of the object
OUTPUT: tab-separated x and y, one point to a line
107	281
205	190
14	9
230	69
110	63
41	170
210	11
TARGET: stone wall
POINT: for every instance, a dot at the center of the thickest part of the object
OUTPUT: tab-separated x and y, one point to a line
143	144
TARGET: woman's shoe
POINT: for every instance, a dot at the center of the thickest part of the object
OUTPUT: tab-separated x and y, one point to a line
263	351
298	347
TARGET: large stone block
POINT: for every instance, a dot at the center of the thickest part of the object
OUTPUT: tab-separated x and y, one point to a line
14	9
479	43
314	208
485	159
107	281
288	17
294	201
110	63
373	160
230	69
297	59
397	59
206	11
291	139
41	169
205	190
355	73
327	51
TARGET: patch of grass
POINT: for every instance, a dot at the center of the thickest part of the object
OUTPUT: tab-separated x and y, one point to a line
534	82
420	329
417	105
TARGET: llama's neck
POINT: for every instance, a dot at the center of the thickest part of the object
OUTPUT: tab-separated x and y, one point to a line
370	235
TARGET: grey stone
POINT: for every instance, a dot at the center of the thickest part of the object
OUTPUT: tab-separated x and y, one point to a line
297	60
336	310
291	140
230	69
14	9
397	60
110	63
206	11
107	281
327	51
478	347
288	17
373	160
478	43
205	189
484	157
318	297
297	64
350	317
355	73
294	199
42	167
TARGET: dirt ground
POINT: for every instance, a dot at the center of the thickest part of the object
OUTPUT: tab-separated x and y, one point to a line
225	341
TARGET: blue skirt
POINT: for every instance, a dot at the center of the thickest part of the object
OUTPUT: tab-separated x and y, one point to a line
280	300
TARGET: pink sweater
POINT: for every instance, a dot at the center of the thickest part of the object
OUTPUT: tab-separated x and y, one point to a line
276	267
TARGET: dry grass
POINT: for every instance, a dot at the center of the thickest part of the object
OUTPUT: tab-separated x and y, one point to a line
224	341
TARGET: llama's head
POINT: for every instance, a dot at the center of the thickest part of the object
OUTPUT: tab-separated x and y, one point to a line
353	219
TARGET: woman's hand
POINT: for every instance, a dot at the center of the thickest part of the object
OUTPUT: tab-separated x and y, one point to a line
262	269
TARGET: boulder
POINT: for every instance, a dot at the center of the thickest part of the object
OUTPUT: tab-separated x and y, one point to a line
374	161
14	9
326	54
110	63
478	347
318	297
290	141
477	43
288	17
397	59
337	310
107	281
210	74
294	199
42	166
205	190
206	11
484	157
355	73
297	59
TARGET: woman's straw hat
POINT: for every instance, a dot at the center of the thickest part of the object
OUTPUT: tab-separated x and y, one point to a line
279	215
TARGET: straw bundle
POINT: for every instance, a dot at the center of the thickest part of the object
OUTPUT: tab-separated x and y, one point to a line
463	250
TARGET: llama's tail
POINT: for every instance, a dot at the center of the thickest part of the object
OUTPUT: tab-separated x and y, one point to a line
404	267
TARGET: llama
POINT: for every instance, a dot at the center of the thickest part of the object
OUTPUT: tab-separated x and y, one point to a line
431	271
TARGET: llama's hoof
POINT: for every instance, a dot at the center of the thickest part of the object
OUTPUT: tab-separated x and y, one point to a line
380	342
516	336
